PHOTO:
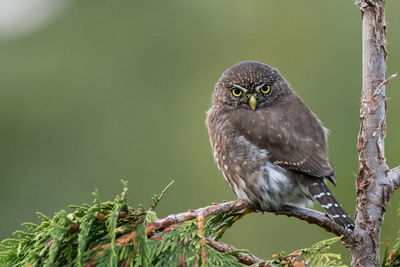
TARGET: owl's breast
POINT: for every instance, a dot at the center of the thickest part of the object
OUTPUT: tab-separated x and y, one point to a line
247	169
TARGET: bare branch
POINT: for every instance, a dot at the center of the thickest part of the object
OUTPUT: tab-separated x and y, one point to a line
308	215
318	218
394	176
245	258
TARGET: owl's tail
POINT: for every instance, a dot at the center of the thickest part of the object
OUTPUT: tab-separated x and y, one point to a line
321	192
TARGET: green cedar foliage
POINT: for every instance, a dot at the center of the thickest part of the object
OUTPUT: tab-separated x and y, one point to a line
392	256
316	255
114	234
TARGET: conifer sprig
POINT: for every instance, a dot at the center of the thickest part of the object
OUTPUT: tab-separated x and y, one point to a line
115	234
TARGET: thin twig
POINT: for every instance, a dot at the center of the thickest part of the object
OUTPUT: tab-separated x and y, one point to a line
245	258
379	88
213	209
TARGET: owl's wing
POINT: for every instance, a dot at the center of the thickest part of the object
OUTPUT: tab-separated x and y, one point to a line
291	133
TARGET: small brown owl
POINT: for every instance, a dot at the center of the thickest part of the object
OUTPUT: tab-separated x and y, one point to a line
268	145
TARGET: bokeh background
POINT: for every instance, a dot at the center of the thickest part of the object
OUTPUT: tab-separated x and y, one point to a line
95	91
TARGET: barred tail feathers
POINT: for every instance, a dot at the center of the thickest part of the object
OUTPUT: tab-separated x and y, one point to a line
321	193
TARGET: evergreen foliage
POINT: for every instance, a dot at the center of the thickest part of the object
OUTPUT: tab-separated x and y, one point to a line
392	257
316	255
115	234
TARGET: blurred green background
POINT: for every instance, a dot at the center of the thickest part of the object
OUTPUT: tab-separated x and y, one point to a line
119	89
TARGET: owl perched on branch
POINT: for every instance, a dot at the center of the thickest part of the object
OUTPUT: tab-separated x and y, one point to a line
269	146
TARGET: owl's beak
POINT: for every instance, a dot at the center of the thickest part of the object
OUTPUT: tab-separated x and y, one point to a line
252	100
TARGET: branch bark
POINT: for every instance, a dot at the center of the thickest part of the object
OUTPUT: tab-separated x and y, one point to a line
375	183
245	258
214	209
394	176
320	219
308	215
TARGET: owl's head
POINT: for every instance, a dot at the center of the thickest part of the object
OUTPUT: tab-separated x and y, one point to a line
250	85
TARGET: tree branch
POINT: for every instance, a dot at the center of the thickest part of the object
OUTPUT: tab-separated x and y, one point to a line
373	189
308	215
213	209
318	218
167	224
245	258
394	177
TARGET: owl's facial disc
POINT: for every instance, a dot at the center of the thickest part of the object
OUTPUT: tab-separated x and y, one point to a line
251	98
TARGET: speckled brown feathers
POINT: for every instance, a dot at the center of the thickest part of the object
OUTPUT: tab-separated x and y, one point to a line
274	152
293	136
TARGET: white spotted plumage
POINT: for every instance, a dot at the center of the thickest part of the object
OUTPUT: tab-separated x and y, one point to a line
273	152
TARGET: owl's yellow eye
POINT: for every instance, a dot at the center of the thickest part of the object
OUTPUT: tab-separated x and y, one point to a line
265	89
236	92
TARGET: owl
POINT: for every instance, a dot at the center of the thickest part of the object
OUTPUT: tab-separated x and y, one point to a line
268	145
